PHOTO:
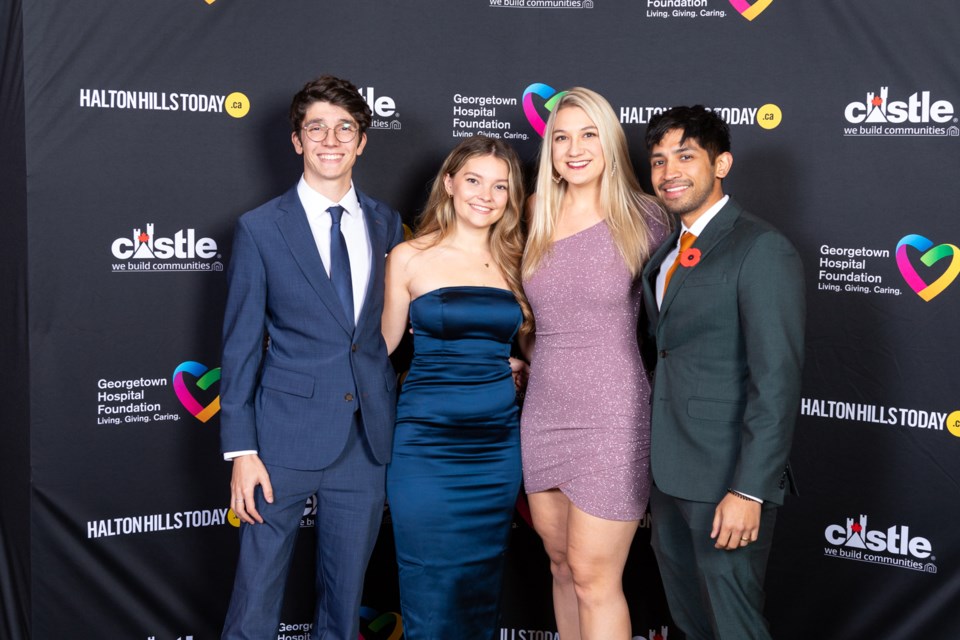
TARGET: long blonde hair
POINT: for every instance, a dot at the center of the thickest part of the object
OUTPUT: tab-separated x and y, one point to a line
506	235
627	208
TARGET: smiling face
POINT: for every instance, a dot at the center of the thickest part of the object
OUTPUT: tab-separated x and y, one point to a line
576	149
684	177
328	164
480	191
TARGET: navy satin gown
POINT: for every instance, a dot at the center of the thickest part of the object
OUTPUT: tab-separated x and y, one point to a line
455	474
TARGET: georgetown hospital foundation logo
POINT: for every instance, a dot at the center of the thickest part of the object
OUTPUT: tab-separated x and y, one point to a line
549	95
750	11
145	251
930	255
485	114
893	547
189	376
704	8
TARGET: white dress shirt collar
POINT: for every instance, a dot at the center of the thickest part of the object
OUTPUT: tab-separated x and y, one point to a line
702	222
316	202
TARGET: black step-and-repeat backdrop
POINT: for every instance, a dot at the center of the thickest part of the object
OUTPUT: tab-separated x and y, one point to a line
134	134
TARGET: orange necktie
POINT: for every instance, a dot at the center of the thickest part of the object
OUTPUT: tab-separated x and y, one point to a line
686	241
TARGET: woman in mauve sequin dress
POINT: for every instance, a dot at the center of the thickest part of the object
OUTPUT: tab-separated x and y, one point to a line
585	429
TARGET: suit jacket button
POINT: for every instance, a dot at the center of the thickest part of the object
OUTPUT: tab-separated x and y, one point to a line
348	397
663	353
353	348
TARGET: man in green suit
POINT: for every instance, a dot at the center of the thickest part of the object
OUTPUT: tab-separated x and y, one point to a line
725	298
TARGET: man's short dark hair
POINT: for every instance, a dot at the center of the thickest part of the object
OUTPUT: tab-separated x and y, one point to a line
697	123
338	92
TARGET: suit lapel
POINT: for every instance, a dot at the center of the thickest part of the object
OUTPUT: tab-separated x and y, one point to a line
296	231
713	233
377	236
652	269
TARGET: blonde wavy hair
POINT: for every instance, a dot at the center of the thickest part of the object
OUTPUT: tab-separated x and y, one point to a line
628	209
439	219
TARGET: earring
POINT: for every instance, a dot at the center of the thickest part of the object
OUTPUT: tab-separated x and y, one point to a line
613	168
557	178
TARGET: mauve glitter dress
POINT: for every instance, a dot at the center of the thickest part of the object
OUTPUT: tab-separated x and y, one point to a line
585	427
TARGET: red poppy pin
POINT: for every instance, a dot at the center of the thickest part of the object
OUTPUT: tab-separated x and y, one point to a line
690	257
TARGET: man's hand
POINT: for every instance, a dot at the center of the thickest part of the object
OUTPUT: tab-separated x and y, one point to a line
736	522
248	472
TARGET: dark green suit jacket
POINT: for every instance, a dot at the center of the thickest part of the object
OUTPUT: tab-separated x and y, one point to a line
729	340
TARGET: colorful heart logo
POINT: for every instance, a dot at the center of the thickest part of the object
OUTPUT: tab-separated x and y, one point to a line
931	255
750	12
377	626
205	377
546	92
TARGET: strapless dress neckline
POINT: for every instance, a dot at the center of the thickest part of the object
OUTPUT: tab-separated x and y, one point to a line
463	287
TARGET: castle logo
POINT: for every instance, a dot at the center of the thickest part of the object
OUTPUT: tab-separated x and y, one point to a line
143	251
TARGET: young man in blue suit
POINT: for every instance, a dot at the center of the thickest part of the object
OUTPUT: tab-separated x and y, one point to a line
725	296
307	391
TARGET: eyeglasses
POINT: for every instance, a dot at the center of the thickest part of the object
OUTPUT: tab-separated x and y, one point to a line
342	131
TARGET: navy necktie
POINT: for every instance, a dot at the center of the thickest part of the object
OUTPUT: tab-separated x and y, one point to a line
340	263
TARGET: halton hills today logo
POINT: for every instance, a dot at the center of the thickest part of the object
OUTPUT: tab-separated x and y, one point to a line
235	104
894	546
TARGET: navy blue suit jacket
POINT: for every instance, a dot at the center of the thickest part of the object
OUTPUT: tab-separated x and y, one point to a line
294	402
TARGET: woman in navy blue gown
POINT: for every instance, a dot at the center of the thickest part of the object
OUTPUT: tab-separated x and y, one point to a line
455	474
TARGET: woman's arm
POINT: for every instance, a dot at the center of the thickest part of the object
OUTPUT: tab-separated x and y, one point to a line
396	297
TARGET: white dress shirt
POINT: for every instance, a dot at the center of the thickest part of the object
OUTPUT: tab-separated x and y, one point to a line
354	228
